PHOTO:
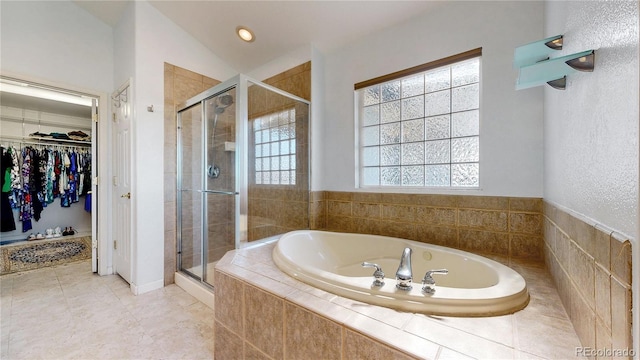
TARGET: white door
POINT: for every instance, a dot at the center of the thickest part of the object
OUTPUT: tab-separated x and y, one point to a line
122	182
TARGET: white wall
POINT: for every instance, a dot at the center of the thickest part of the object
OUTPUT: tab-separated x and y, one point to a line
591	128
56	41
511	122
157	40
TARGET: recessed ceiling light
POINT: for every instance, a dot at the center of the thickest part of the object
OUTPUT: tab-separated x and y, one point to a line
245	34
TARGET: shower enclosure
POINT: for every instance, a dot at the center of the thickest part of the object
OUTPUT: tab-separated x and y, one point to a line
243	170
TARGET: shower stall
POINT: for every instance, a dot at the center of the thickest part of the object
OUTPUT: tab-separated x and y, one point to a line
243	171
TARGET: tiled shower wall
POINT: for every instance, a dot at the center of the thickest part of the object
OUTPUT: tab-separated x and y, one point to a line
505	226
591	267
277	209
179	85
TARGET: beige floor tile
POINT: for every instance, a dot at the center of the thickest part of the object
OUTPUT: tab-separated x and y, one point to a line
66	312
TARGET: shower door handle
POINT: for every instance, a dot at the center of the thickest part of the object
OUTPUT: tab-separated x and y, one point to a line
213	192
220	192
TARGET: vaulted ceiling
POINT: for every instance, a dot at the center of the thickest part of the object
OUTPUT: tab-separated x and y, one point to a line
280	26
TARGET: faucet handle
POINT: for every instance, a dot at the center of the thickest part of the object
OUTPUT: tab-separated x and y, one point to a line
428	283
378	274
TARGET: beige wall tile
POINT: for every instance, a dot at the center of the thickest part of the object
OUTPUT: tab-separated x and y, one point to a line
563	244
526	204
228	346
357	346
621	258
525	246
620	315
400	199
170	257
366	226
446	201
402	213
339	208
438	235
436	216
263	321
367	197
229	302
208	82
603	338
484	202
549	234
483	220
525	223
585	235
367	210
339	223
603	296
582	271
398	229
484	241
549	210
583	319
187	73
602	246
336	195
251	353
309	336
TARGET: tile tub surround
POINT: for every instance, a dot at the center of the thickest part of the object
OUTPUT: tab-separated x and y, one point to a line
591	267
505	226
261	312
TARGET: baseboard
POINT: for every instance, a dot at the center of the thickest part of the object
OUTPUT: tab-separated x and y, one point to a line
137	290
195	289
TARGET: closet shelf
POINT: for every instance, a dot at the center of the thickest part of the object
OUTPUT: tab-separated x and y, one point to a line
15	119
34	140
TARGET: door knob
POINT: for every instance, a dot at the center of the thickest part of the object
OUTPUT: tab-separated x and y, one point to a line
127	195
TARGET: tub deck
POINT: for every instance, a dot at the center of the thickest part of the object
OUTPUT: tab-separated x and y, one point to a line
249	277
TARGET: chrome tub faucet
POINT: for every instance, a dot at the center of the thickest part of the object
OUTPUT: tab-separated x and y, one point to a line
404	275
428	283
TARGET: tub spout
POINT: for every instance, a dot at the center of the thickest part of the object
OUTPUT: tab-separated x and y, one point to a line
404	275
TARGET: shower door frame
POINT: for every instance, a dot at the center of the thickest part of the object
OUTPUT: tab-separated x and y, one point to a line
241	84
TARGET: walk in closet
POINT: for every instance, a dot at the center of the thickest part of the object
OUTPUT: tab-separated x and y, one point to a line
48	164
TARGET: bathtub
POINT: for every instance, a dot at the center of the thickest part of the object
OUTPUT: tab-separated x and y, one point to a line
474	286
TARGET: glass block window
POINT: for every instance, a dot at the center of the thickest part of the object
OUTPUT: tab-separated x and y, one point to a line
422	129
275	148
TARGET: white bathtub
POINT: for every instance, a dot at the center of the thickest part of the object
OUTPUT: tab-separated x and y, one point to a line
474	286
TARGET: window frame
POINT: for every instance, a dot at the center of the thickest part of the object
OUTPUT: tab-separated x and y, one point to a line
358	107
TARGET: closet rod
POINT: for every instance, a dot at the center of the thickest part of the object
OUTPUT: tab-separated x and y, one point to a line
52	142
45	123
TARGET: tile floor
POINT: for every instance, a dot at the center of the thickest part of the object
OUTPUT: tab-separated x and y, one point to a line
66	312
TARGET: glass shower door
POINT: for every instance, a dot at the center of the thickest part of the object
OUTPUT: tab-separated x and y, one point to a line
207	196
220	180
190	175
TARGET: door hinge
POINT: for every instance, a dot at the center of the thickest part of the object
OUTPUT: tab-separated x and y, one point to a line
113	117
94	243
115	245
94	117
95	181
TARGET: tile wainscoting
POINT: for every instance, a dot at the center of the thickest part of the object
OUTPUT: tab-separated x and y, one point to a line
591	267
504	226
